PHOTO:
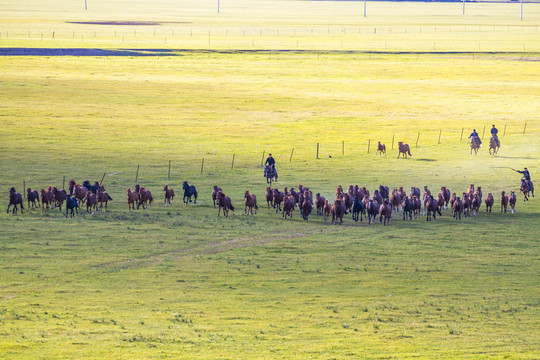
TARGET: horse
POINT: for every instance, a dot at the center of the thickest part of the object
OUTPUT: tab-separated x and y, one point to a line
381	149
470	190
307	206
270	174
348	201
71	204
145	198
377	197
132	198
417	206
526	187
446	195
372	210
512	201
504	202
415	192
385	192
46	200
278	199
288	206
457	208
214	194
425	198
250	203
32	196
92	188
224	202
489	202
72	183
453	198
337	210
327	209
478	192
494	145
466	202
80	193
475	204
102	197
401	192
395	200
15	199
296	195
404	149
319	203
407	206
60	196
432	207
440	201
475	145
358	209
169	195
189	191
91	202
385	210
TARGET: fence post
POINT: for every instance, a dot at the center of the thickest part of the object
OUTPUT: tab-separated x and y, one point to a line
393	142
169	173
232	165
440	131
64	182
24	188
368	142
317	150
343	148
292	151
262	158
504	132
202	165
461	139
483	131
418	137
524	128
137	176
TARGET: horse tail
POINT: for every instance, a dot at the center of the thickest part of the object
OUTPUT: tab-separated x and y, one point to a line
439	211
231	207
109	196
409	151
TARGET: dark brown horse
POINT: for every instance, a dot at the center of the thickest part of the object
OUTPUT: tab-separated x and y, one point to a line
494	145
426	195
385	210
132	198
250	203
395	200
372	209
91	202
277	199
457	208
407	206
289	204
169	195
214	194
475	145
79	193
71	185
452	199
15	199
432	208
415	192
404	149
377	197
504	202
417	206
338	210
327	209
489	202
307	205
46	200
32	196
526	187
475	204
224	202
145	198
319	203
446	195
269	195
381	149
59	197
102	198
512	201
466	204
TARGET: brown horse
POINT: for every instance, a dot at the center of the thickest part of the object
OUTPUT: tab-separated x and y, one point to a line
32	196
102	197
432	208
71	185
512	201
385	210
132	198
440	201
475	145
475	204
446	195
80	193
338	210
526	187
381	149
339	190
425	198
402	193
404	149
307	205
319	203
417	206
289	204
377	197
59	197
466	204
214	194
457	208
169	195
224	202
470	190
269	197
327	209
478	192
415	192
453	198
250	203
395	200
15	199
494	145
504	202
277	199
489	202
46	200
372	209
91	202
145	198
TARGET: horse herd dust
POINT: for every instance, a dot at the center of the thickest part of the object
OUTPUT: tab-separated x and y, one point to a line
355	200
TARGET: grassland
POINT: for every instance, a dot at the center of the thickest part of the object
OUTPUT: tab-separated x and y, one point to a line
178	282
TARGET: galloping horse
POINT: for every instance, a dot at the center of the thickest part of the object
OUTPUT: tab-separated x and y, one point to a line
395	200
60	196
338	210
446	194
32	197
457	208
250	203
404	149
381	149
225	203
385	210
319	203
512	201
46	200
407	206
91	202
15	199
494	145
288	206
526	187
475	145
432	207
269	197
132	198
307	206
71	203
277	199
327	209
504	202
214	194
145	198
102	197
358	209
372	210
489	202
189	191
169	195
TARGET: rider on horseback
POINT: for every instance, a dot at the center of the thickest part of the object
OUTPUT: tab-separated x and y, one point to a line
270	164
494	132
474	135
526	176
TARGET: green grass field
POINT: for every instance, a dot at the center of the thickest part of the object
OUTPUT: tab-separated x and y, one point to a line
178	282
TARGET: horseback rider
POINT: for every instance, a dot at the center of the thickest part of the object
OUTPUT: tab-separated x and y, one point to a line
526	175
494	132
474	135
271	164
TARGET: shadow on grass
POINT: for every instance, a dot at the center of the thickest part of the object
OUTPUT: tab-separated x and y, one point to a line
427	160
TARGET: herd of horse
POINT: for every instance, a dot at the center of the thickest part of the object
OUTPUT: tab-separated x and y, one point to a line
356	201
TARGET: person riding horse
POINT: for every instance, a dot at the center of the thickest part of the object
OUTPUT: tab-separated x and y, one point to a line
526	176
270	165
474	135
494	132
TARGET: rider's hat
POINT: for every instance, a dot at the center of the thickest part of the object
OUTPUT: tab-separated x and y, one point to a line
269	154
